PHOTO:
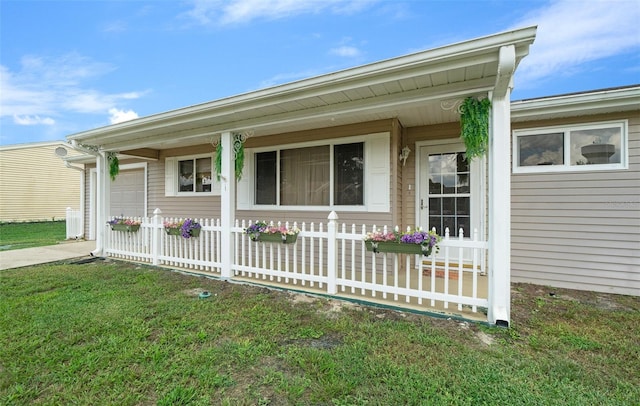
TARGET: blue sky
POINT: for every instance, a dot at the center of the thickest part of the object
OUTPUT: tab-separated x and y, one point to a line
70	66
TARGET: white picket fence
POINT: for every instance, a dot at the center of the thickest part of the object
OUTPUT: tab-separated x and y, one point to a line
329	259
73	223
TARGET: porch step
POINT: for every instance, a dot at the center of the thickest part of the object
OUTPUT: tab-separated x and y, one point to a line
453	266
453	275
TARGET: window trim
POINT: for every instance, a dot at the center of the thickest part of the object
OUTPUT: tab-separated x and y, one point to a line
175	169
365	207
566	131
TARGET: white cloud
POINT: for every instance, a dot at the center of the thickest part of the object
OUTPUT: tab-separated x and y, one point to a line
242	11
119	116
115	27
345	50
288	77
46	87
572	33
33	120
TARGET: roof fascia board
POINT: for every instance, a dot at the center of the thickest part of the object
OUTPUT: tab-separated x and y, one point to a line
623	99
37	144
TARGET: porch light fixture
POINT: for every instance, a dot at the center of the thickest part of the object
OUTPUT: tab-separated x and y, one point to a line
404	154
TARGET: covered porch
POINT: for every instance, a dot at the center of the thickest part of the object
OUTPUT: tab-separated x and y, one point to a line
386	106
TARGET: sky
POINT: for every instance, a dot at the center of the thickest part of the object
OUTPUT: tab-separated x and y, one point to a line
71	66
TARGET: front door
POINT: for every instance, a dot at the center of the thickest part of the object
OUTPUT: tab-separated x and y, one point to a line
450	194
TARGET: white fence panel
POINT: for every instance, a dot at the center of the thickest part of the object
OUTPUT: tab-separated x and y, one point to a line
301	262
312	264
201	253
74	224
131	245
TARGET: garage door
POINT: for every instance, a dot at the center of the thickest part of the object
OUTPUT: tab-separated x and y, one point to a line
127	194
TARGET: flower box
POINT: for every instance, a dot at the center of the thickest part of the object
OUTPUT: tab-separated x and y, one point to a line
398	248
195	232
275	237
125	227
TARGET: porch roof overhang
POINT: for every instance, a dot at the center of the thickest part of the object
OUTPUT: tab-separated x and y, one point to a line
411	88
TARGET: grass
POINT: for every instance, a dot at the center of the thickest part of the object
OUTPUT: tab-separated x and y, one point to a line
110	332
36	234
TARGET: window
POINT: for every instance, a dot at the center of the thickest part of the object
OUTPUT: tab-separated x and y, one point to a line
449	192
306	176
194	175
266	177
586	147
190	175
348	169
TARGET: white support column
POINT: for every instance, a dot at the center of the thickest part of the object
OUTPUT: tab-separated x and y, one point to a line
103	202
227	203
499	311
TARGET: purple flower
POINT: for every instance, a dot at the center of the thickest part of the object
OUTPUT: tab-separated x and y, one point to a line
188	226
417	237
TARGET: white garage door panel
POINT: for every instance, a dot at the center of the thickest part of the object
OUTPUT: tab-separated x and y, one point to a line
127	194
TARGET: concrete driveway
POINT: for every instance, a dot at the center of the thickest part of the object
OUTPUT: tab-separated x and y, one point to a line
42	255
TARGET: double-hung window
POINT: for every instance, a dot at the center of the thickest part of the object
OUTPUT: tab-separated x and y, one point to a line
596	146
190	175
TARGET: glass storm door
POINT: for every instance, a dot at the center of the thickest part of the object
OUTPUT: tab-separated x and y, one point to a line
450	190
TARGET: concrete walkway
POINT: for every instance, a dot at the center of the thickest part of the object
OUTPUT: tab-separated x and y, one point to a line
42	255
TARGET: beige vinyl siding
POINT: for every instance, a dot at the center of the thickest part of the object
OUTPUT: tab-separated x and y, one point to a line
579	230
209	206
35	184
205	206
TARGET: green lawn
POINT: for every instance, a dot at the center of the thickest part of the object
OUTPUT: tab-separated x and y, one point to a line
24	235
114	333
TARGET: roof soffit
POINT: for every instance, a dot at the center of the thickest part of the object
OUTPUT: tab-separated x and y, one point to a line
426	73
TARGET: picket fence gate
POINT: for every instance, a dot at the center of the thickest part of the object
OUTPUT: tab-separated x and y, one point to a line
329	259
73	224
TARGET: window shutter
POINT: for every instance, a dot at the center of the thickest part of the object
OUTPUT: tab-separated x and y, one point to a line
170	176
376	162
244	187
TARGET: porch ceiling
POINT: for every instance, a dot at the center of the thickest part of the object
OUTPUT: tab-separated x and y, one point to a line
410	88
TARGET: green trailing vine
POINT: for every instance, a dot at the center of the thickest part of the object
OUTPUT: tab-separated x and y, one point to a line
114	164
218	162
112	158
238	148
474	125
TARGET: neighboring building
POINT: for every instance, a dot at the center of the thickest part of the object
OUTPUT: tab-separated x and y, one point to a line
35	184
335	143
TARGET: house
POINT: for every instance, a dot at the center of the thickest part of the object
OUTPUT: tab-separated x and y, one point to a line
35	185
380	145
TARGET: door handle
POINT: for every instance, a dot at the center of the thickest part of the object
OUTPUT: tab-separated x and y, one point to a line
421	204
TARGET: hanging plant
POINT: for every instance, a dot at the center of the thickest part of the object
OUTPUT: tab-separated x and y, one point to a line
474	125
218	162
114	164
238	149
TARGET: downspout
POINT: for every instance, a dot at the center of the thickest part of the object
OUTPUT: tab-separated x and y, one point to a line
499	312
